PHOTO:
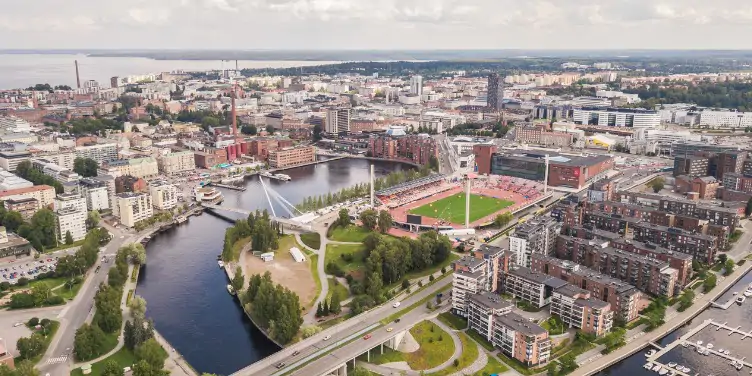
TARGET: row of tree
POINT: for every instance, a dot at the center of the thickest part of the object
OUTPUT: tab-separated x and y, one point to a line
360	190
371	220
263	231
85	167
25	171
730	94
274	308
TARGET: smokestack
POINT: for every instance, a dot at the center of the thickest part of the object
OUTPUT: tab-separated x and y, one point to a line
236	65
78	78
234	113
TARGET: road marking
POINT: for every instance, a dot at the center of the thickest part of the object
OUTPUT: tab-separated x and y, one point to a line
59	359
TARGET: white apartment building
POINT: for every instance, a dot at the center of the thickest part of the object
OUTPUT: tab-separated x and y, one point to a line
9	160
70	216
95	193
164	196
42	193
9	181
98	152
469	278
63	159
416	86
616	117
725	119
440	121
610	94
174	163
338	120
14	124
59	173
134	207
139	167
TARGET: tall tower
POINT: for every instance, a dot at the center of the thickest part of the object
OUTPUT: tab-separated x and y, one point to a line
78	78
467	203
234	112
416	85
493	92
371	185
545	177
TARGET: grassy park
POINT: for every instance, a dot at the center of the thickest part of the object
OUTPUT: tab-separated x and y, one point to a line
452	208
352	234
349	257
436	347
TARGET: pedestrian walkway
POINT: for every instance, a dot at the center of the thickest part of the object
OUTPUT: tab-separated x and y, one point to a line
59	359
477	365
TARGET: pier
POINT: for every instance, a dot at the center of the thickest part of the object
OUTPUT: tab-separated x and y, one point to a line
726	305
228	186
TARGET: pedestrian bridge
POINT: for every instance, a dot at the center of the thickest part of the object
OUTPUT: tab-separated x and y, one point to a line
290	223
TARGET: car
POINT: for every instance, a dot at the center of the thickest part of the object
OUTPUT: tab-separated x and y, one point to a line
17	324
396	320
327	337
367	336
396	304
280	365
49	260
296	352
389	329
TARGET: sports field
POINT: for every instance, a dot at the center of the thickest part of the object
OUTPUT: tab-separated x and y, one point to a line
452	208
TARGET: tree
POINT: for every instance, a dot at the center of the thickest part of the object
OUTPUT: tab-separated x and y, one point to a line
728	267
748	208
43	225
317	130
709	282
657	184
89	342
23	368
343	220
209	121
34	321
152	353
138	307
111	368
143	368
722	258
238	281
269	129
250	130
92	219
41	293
385	221
30	347
335	304
85	167
320	310
503	219
12	220
685	300
68	238
369	218
309	331
433	163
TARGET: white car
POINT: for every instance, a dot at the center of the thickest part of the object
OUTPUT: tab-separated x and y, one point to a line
396	304
327	337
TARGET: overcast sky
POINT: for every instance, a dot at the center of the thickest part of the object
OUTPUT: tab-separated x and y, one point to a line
377	24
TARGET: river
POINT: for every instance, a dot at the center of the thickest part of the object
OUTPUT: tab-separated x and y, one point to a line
735	316
185	290
24	70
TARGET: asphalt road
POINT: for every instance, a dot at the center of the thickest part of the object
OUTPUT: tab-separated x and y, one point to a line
75	313
341	332
9	319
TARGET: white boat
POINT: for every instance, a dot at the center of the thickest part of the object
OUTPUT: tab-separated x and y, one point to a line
741	299
671	364
221	264
709	345
699	343
230	289
650	353
662	371
720	351
685	344
648	366
283	177
657	367
687	370
739	366
727	353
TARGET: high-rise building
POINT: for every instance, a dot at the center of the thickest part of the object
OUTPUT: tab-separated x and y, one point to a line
164	195
535	236
70	216
416	85
338	120
133	207
493	92
95	193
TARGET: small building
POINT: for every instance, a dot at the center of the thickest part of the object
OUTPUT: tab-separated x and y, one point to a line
268	256
297	255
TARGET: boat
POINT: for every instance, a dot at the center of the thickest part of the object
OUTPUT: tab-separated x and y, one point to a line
741	299
282	177
208	195
266	174
699	343
232	179
709	345
648	366
727	353
739	366
686	370
662	371
221	264
650	353
720	351
230	289
671	364
685	344
657	367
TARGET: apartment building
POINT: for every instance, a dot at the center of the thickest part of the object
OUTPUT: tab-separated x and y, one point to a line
578	309
535	236
9	160
601	190
679	261
414	148
96	194
26	206
482	309
292	156
10	181
99	152
338	120
521	339
691	165
146	167
702	247
469	278
133	207
164	196
493	257
70	216
616	117
717	215
45	194
622	296
539	136
174	163
535	288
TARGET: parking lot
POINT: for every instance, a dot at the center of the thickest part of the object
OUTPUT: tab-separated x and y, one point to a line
11	269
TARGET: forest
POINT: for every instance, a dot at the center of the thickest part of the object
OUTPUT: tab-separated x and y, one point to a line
733	95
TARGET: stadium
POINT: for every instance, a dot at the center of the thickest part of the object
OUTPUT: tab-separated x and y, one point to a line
438	202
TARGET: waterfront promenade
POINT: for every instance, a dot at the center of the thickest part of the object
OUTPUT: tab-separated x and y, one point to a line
700	303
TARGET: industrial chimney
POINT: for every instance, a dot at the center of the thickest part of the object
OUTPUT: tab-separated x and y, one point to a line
234	113
78	78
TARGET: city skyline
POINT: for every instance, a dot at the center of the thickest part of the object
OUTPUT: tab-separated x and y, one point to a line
390	24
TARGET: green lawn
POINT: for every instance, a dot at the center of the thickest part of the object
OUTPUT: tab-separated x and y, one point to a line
311	239
469	355
54	325
426	272
453	321
65	246
238	246
335	252
68	294
436	347
286	242
452	208
334	285
352	233
494	366
554	326
313	261
124	358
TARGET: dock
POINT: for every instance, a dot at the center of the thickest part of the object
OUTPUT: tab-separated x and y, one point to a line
227	186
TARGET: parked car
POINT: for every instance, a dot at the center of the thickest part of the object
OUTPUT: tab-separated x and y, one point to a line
396	304
327	337
367	336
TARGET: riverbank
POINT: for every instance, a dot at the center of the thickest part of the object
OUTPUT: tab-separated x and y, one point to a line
700	304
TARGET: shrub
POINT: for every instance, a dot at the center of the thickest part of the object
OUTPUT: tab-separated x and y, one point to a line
34	321
23	281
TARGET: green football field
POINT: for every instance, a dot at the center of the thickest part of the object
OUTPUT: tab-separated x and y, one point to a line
452	208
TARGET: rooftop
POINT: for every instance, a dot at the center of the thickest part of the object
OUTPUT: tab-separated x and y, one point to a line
491	300
544	279
520	324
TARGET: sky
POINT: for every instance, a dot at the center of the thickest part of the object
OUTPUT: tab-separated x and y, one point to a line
376	24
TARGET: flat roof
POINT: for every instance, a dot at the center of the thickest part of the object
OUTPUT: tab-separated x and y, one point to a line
491	300
544	279
520	324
